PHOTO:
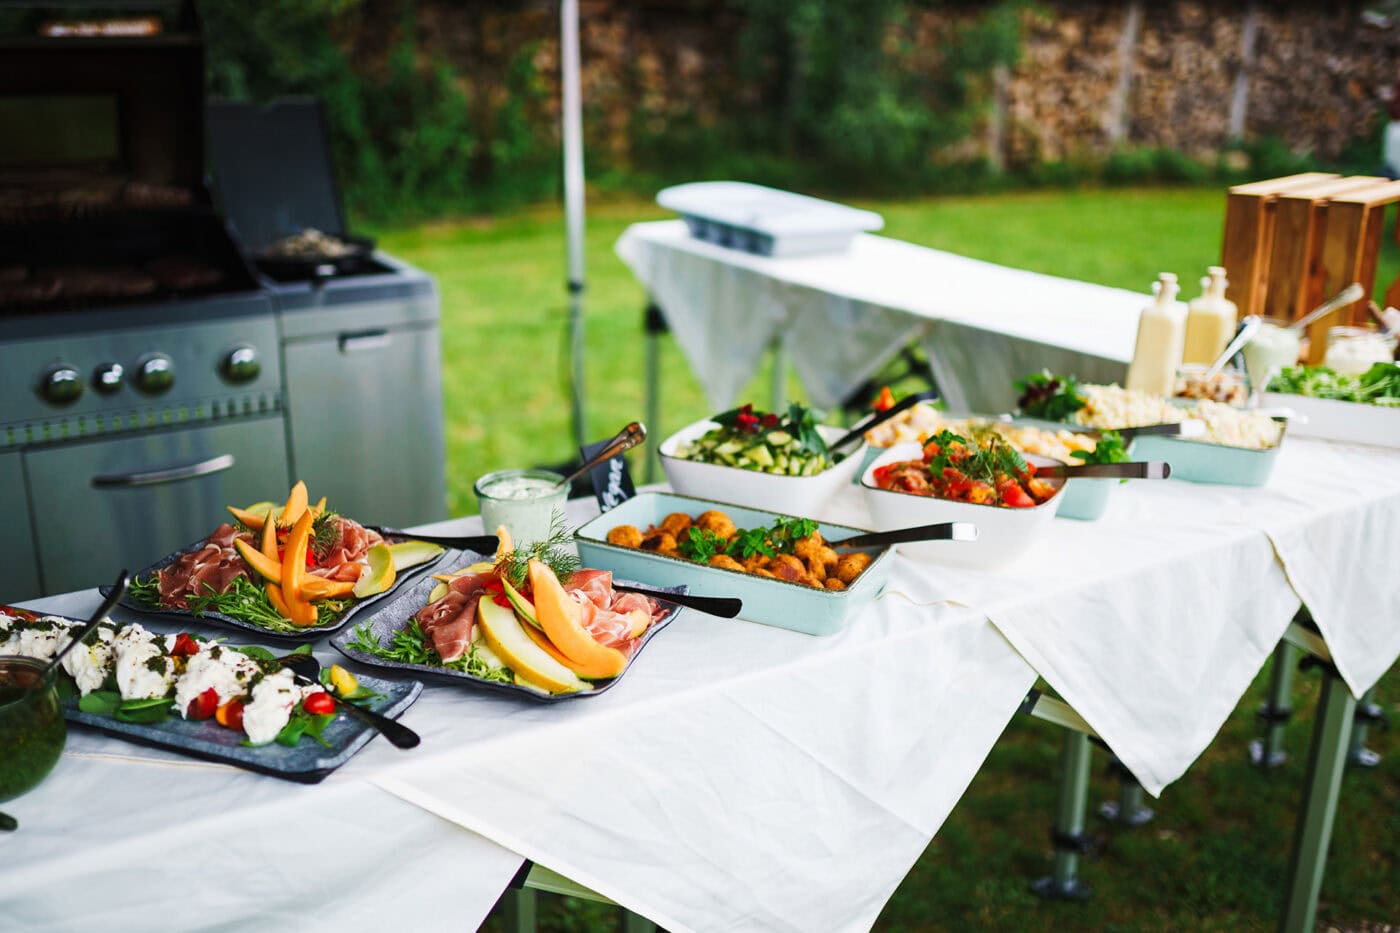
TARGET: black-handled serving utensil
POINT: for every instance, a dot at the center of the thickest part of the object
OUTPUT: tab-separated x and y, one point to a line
1191	427
1140	469
480	544
879	418
118	588
8	824
308	670
726	607
941	531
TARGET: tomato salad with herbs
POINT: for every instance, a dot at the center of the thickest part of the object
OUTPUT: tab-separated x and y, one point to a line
955	468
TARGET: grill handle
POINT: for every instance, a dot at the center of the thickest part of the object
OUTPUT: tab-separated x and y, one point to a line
174	474
364	340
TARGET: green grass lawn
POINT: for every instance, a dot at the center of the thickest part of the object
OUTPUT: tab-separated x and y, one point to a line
1215	857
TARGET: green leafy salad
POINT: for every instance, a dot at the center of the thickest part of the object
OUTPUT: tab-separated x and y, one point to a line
786	445
1379	385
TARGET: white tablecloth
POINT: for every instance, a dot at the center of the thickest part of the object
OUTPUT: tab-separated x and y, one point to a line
843	316
740	777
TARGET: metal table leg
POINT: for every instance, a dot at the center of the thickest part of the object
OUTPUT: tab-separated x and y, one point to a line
1068	835
653	325
1268	752
519	911
1367	712
1322	786
1128	809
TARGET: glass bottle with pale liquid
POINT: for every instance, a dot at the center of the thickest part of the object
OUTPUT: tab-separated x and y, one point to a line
1210	320
1161	337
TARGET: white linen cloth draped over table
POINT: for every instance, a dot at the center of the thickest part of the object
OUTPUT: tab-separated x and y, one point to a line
843	316
740	777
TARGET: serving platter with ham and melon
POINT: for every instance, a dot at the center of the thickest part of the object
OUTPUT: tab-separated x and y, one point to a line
284	570
530	622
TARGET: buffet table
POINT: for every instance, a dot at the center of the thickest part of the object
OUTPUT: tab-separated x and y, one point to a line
748	777
841	317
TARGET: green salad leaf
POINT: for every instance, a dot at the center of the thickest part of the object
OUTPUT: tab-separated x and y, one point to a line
1108	449
1379	385
1047	396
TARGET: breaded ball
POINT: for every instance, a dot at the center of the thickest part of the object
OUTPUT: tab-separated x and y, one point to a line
810	546
834	583
829	559
625	536
659	541
815	569
756	562
716	523
851	565
727	562
788	567
677	524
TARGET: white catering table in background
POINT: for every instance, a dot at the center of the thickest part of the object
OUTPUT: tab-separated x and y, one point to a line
744	777
839	318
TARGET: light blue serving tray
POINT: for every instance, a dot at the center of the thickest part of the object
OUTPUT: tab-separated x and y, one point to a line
767	601
1200	462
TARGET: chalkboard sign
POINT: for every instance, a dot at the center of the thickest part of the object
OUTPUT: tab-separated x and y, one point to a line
612	481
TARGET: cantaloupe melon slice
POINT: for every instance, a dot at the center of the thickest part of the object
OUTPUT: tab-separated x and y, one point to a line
559	616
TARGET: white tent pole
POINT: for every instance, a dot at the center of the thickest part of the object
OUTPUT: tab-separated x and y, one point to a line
573	200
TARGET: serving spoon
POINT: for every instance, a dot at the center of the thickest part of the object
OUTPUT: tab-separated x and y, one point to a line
308	670
879	418
624	440
940	531
1141	469
118	588
1346	296
726	607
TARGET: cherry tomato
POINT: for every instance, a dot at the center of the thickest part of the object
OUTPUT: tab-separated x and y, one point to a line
318	704
1013	495
204	705
185	646
230	715
886	400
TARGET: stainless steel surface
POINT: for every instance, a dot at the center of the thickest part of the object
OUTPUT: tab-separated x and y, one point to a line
21	577
174	474
83	530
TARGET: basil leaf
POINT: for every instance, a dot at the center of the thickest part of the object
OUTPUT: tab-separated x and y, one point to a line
100	702
258	653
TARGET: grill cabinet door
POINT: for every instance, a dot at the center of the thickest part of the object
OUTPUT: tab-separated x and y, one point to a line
128	502
20	580
365	408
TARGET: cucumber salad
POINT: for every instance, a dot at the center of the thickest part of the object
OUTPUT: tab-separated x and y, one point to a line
786	445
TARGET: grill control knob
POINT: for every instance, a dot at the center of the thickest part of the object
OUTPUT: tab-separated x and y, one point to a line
155	373
62	384
107	378
242	364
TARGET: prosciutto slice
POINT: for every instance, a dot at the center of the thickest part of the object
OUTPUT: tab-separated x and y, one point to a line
605	611
212	568
447	622
343	560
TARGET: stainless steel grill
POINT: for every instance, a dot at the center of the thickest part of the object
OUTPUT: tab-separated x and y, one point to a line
149	373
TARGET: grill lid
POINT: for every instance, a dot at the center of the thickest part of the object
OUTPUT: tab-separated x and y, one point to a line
273	170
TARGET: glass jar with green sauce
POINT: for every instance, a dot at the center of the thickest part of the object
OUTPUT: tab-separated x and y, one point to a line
32	729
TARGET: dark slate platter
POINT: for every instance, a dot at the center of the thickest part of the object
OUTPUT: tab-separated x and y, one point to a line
393	616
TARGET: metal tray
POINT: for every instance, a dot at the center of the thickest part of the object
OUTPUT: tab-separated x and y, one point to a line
308	762
394	616
770	602
300	635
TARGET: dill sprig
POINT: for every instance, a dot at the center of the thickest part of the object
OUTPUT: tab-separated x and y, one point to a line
325	534
556	552
145	589
409	646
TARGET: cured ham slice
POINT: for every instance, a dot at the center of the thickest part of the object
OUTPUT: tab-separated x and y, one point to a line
350	548
607	627
605	609
447	622
212	568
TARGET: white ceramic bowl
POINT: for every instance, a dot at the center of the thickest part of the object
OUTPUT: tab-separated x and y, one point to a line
800	496
1002	534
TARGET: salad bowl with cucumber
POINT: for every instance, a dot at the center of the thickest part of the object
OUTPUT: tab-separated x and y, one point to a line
779	461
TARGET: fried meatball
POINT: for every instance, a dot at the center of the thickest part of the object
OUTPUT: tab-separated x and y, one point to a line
659	541
716	523
765	572
787	567
851	565
829	559
756	562
625	536
727	562
815	569
834	583
677	524
810	546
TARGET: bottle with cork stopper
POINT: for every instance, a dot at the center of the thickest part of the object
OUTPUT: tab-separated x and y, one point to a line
1210	320
1161	337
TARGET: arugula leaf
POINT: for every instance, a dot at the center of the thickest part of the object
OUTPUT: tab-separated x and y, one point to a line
1047	396
407	646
